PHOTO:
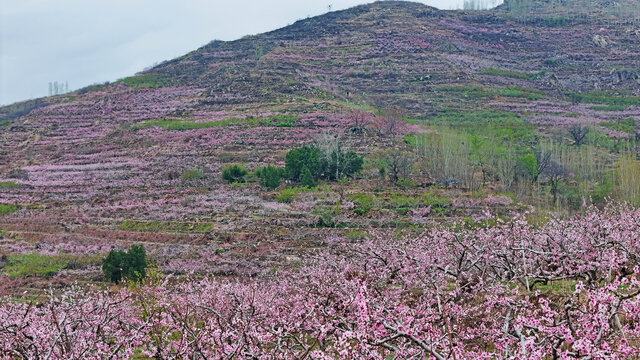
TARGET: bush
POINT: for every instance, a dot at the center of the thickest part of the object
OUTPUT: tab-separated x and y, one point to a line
130	265
234	174
363	202
290	194
332	164
306	178
269	176
193	174
306	156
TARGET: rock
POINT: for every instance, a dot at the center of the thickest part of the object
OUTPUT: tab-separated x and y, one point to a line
620	76
600	40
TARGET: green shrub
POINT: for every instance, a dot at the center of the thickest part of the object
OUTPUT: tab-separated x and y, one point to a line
234	174
287	196
364	203
306	156
269	176
129	265
193	174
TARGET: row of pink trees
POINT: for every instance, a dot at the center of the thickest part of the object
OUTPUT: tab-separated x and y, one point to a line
566	289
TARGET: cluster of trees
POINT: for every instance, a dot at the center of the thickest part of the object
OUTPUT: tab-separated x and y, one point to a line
58	88
327	159
566	289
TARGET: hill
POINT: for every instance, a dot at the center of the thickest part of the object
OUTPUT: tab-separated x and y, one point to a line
462	111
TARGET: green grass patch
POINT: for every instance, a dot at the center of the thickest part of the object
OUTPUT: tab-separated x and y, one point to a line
557	21
605	97
560	287
519	92
8	209
494	124
165	226
364	203
193	174
355	235
479	92
624	125
609	107
39	265
187	124
9	185
147	81
289	195
510	74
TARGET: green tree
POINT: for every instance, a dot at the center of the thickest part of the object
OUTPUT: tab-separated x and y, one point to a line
296	159
234	173
130	265
529	164
269	177
306	178
342	164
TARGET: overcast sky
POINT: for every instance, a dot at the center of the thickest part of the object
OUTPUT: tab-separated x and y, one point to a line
89	41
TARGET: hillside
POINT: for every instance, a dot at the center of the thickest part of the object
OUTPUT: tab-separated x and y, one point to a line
390	181
108	165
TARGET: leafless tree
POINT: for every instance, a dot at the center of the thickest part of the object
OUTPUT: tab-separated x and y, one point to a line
543	159
579	133
359	121
554	173
398	164
388	122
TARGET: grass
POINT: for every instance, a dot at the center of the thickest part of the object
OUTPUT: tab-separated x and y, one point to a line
38	265
8	209
187	124
165	226
625	125
511	74
289	195
608	97
479	92
147	81
495	124
9	185
363	202
609	107
193	174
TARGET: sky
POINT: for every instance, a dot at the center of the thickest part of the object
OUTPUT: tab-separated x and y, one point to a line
84	42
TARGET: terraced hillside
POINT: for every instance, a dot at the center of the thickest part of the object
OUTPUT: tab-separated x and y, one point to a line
109	165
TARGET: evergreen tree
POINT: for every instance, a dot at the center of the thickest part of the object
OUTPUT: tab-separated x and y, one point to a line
306	178
130	265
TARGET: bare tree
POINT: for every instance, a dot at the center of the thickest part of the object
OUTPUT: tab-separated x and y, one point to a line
359	120
554	174
388	122
579	133
543	159
398	164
